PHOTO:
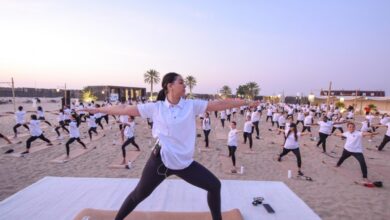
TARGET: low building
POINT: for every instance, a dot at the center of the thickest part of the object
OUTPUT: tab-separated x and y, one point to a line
117	92
366	93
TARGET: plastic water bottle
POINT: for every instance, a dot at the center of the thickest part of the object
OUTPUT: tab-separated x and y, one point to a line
129	164
85	218
242	170
289	175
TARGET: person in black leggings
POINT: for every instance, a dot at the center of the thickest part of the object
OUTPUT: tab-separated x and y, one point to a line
206	126
130	138
36	132
386	138
5	138
165	161
74	133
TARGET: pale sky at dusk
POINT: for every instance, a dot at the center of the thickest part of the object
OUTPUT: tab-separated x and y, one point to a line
298	45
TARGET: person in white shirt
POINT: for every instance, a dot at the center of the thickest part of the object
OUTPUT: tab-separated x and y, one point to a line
275	119
234	111
61	124
41	115
67	113
36	132
307	122
350	115
175	127
233	143
325	130
339	118
386	138
370	117
206	126
99	117
92	126
248	130
282	122
255	118
222	116
269	114
130	138
74	133
300	118
81	113
20	121
354	147
291	143
228	114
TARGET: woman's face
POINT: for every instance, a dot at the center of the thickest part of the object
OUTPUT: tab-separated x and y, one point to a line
351	128
177	87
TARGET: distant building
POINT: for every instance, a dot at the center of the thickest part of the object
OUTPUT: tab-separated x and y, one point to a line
38	92
120	92
353	93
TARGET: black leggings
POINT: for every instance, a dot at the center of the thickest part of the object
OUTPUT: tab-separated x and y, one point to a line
127	142
275	122
106	118
99	122
268	117
33	138
232	153
206	137
298	122
155	172
386	139
296	152
248	135
228	118
44	120
256	127
223	122
358	156
18	125
71	140
322	141
62	125
306	128
339	128
90	130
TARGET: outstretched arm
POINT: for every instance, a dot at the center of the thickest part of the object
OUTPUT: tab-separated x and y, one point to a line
229	103
130	110
368	134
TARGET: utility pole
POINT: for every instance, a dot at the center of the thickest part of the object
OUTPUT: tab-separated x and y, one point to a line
13	91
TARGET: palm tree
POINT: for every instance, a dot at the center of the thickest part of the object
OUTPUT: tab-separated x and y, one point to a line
242	91
190	81
225	91
253	89
153	77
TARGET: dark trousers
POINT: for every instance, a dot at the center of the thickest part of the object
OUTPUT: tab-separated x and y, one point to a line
206	136
248	135
268	117
33	138
106	118
228	118
127	142
358	156
71	140
256	127
44	120
322	141
339	128
62	125
297	155
223	122
18	125
90	130
155	172
99	122
298	122
306	128
232	154
386	139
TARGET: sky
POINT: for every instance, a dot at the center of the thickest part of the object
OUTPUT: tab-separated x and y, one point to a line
290	46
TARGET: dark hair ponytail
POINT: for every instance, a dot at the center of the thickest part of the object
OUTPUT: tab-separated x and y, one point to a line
168	78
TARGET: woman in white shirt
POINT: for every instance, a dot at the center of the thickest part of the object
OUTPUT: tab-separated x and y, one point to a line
175	127
255	118
339	118
41	115
130	139
92	126
74	133
61	124
292	144
206	126
354	147
222	116
20	121
36	132
386	138
325	130
233	143
248	130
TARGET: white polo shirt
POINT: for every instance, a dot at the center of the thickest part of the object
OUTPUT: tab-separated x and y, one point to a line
282	120
74	131
248	127
232	138
326	127
129	130
223	114
388	129
301	116
35	129
354	141
175	127
91	121
40	113
206	124
291	143
19	115
255	117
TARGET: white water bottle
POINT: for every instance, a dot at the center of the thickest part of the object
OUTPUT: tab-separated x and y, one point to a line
242	170
129	164
289	174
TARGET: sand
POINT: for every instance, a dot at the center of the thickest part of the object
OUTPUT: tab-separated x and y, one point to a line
332	195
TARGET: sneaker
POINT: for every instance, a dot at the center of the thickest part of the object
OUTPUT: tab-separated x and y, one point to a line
300	173
49	144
